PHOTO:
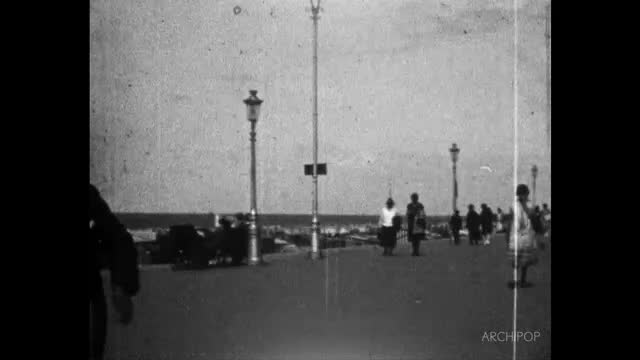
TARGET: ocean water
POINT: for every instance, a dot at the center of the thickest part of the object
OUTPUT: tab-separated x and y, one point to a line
135	221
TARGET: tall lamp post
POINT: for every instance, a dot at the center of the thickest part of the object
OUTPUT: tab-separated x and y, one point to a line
315	226
534	175
253	111
454	151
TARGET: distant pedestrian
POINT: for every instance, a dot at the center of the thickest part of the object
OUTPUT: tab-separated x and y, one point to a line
507	225
486	218
537	221
234	238
546	215
499	220
388	231
455	225
523	247
416	223
109	241
474	224
537	224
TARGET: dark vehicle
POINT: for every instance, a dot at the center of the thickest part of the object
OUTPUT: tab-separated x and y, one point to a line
188	247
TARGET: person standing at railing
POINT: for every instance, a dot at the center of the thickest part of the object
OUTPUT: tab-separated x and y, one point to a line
416	223
388	227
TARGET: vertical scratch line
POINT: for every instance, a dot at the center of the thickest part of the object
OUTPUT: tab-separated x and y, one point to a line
515	172
326	285
336	286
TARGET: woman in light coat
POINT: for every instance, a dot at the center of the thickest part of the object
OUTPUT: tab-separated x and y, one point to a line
522	239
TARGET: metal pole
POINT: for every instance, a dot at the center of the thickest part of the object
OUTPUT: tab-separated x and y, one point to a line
315	226
454	151
254	243
455	198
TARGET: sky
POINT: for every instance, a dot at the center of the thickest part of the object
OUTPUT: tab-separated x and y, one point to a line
399	82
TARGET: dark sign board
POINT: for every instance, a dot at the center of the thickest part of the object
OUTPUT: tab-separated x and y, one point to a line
322	169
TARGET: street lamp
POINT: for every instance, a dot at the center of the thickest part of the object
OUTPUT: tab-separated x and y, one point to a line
253	111
315	226
454	151
534	175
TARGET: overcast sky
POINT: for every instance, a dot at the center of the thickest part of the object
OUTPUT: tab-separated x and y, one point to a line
399	81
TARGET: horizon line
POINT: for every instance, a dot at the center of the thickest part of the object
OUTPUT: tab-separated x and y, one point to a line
236	212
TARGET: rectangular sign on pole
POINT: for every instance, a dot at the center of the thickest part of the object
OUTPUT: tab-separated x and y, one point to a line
322	169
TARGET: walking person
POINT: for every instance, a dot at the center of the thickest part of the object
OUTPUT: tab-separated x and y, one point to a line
112	246
455	225
537	224
522	239
546	215
486	217
537	221
473	226
388	227
507	225
499	220
416	223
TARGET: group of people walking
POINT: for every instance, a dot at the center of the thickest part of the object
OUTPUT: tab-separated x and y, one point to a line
541	220
480	226
391	223
525	227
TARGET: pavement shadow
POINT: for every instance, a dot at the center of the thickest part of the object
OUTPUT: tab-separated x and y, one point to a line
191	267
512	285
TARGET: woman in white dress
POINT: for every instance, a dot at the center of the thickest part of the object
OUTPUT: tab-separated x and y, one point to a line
388	228
522	239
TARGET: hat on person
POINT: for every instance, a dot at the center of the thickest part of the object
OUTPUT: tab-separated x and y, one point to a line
522	189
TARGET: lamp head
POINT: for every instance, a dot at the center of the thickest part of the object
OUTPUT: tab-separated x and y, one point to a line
454	152
253	105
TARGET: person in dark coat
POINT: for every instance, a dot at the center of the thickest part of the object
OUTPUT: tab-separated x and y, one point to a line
111	246
455	224
486	218
473	225
226	245
537	221
416	223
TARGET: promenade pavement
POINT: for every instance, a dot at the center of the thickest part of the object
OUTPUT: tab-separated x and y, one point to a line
353	304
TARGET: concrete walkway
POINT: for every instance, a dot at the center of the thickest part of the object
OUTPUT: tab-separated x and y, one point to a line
354	304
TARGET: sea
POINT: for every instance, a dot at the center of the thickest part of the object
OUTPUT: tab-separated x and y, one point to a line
139	221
